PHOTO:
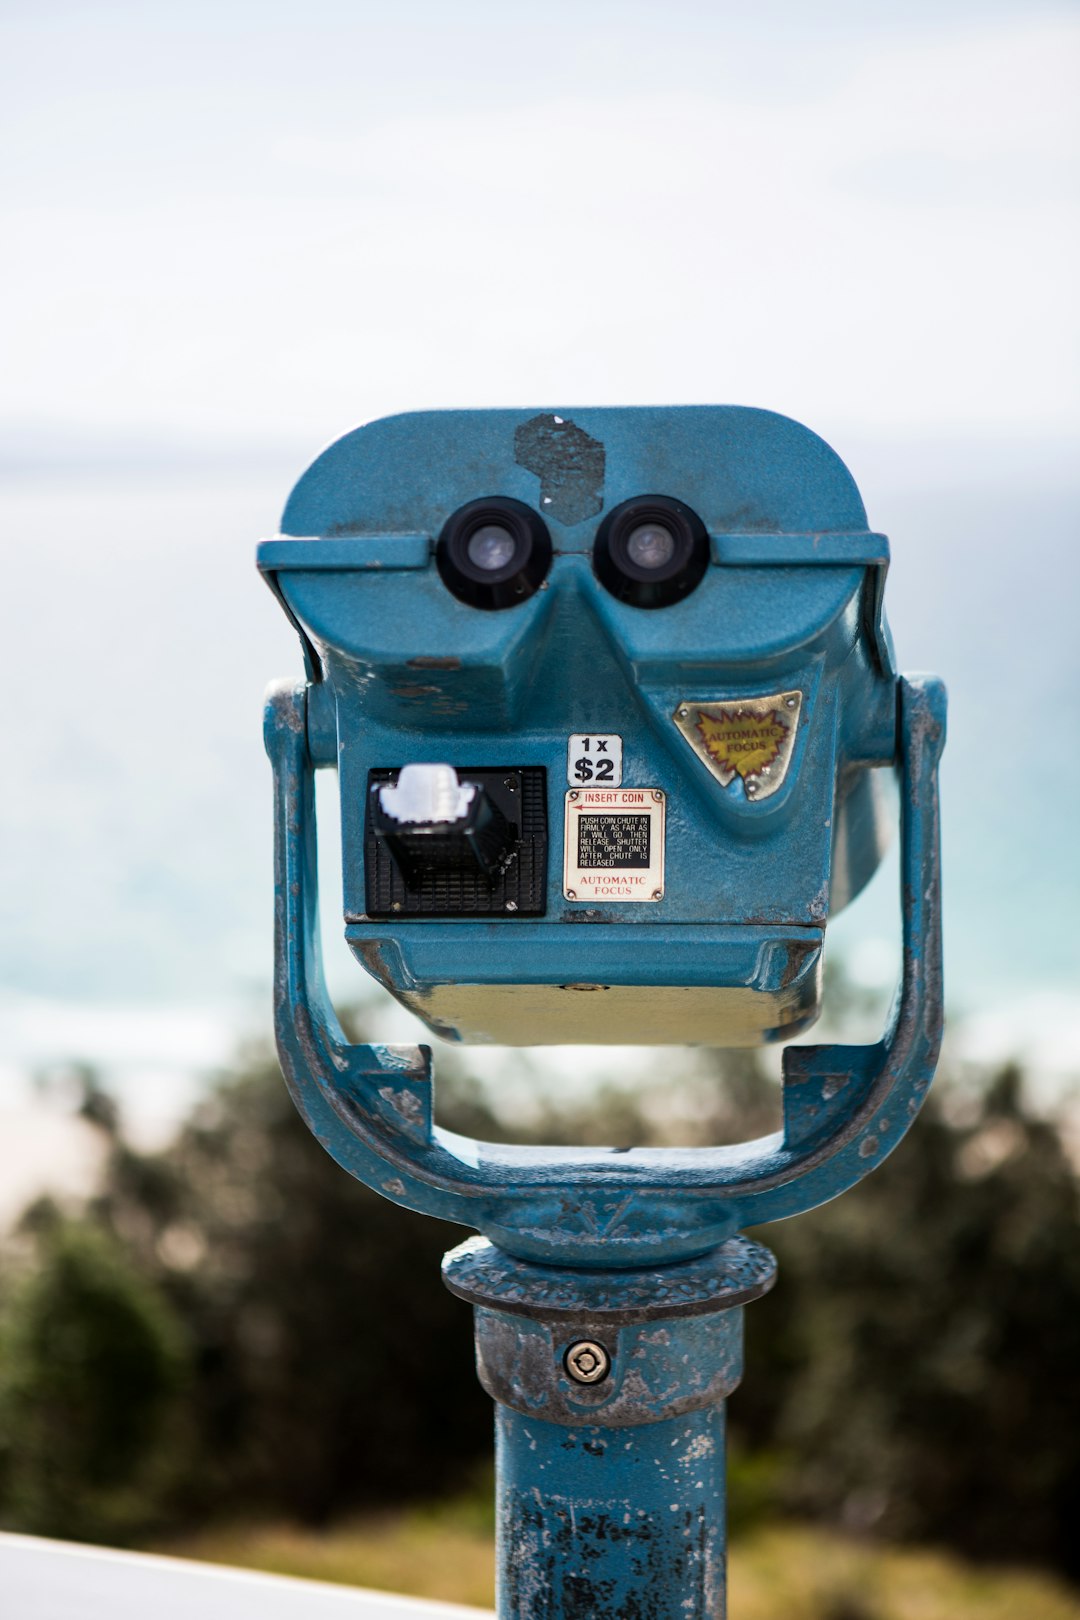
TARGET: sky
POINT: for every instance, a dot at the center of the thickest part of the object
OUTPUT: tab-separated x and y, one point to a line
233	231
233	223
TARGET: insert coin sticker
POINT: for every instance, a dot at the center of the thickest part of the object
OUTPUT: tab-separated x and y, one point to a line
614	845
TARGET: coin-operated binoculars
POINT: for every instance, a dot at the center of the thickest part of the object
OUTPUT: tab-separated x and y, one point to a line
611	699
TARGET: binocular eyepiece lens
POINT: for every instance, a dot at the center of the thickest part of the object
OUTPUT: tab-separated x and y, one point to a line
493	553
650	545
651	551
490	547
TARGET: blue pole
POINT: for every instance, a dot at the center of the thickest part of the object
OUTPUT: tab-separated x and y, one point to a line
610	1523
610	1390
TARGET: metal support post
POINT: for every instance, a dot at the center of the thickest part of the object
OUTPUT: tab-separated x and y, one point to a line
610	1391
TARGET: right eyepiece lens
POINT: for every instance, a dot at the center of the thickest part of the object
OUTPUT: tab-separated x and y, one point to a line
650	545
490	547
651	551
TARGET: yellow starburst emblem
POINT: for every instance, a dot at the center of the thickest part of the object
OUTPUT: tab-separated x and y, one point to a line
741	741
748	738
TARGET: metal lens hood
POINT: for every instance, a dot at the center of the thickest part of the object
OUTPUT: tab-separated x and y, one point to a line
671	577
509	581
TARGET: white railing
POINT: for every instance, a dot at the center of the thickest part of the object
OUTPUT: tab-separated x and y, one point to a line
59	1580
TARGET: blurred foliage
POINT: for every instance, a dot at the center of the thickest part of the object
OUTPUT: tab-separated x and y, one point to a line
918	1361
330	1366
93	1364
237	1330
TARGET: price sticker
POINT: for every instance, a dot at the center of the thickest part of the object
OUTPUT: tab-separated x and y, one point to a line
593	756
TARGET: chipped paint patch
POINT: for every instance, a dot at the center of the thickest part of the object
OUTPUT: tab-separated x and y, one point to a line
702	1445
569	463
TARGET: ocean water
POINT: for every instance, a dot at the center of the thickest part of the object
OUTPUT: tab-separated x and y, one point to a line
135	825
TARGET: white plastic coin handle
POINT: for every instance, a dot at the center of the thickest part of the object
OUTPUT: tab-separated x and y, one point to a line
424	794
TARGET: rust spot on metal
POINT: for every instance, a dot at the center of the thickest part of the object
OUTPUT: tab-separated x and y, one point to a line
404	1103
307	1042
434	663
799	955
289	704
370	952
818	909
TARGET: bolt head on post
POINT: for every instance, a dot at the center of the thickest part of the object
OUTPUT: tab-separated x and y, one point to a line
587	1362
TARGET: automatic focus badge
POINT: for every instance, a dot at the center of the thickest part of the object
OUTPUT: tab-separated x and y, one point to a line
748	738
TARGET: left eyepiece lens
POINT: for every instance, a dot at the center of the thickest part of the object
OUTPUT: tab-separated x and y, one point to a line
490	547
494	553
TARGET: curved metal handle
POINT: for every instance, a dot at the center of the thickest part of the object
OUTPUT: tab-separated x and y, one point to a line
369	1106
845	1107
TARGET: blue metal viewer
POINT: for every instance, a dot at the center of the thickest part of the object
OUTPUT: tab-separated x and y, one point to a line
612	702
